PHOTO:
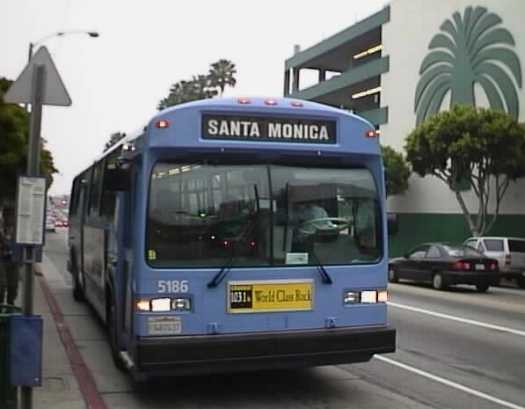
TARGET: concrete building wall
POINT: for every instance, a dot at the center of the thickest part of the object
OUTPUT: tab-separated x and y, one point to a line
406	38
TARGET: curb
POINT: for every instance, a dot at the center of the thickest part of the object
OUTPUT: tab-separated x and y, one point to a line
84	377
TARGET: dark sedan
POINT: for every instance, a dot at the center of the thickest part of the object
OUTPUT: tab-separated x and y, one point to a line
443	265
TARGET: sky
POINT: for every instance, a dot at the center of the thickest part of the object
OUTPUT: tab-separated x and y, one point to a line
117	79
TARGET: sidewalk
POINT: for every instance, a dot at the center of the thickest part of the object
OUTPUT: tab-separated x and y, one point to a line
59	388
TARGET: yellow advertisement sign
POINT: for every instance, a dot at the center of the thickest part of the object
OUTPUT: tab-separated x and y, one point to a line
271	295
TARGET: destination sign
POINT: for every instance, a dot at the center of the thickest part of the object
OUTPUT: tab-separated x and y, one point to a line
268	129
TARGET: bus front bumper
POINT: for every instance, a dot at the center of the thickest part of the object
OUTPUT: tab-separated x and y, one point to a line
254	351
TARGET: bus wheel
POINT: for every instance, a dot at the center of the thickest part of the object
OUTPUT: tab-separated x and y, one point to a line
392	275
78	283
112	334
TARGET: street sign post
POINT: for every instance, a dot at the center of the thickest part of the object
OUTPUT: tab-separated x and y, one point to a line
38	84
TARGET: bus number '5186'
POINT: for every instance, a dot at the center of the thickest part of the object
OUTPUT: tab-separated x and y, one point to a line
172	286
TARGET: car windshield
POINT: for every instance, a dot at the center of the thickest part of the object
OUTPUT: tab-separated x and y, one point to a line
256	215
462	251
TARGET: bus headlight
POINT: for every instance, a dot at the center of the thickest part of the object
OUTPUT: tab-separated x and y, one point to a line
350	297
181	304
382	296
143	305
369	297
160	304
365	297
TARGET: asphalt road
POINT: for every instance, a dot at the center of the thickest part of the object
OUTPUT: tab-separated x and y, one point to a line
455	349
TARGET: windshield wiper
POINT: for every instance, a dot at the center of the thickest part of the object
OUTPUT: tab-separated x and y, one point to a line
216	280
224	270
325	277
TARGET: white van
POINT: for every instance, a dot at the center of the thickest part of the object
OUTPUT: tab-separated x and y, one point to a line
509	251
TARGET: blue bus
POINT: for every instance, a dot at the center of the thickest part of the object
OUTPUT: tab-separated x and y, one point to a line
236	234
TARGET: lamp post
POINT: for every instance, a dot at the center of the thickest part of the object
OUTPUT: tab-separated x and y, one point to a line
93	34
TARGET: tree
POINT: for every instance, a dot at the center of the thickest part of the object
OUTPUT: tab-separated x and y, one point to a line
471	49
482	148
397	171
186	91
222	73
114	138
14	134
201	86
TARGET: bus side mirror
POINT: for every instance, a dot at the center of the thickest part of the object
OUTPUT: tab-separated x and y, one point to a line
118	177
392	223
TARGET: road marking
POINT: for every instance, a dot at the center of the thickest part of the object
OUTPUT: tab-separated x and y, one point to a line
449	383
459	319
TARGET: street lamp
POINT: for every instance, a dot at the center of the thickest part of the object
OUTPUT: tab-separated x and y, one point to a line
58	34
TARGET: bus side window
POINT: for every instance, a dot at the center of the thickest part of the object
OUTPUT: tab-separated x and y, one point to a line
73	208
85	188
109	195
95	190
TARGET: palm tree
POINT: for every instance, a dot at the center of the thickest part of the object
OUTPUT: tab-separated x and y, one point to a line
202	87
222	73
470	49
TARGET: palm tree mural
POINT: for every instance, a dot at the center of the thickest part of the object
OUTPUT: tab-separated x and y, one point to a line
470	49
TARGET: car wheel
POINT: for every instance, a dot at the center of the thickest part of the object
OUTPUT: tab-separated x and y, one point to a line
482	288
438	282
112	334
392	275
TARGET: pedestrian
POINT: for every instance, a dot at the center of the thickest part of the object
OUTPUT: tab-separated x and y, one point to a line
4	254
10	268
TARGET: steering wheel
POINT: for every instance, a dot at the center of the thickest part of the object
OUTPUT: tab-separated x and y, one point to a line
323	225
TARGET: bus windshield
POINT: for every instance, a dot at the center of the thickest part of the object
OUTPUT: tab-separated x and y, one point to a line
207	215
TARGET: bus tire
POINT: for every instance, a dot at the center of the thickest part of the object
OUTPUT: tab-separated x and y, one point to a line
78	282
392	275
112	333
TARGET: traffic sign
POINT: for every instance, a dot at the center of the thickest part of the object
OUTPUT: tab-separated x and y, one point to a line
54	92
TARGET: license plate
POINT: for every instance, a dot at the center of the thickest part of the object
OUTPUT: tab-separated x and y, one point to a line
165	325
270	296
480	266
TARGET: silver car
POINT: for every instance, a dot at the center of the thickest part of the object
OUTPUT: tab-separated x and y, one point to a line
509	251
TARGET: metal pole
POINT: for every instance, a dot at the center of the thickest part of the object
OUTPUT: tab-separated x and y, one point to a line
33	165
30	54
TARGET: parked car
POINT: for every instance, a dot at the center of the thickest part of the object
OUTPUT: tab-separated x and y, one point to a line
50	224
443	264
509	251
61	222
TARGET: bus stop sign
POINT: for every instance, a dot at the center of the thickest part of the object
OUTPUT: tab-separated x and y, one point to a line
54	92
